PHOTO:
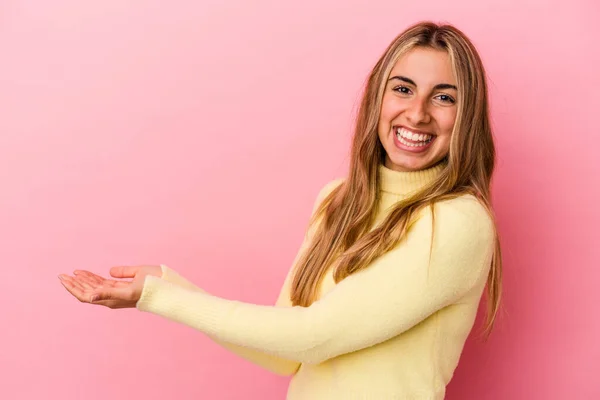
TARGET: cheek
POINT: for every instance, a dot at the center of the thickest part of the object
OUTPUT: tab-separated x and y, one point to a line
390	108
445	120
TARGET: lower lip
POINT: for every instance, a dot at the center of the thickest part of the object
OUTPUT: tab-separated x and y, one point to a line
416	149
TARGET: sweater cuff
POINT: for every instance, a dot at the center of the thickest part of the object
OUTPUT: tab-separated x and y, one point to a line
170	275
178	304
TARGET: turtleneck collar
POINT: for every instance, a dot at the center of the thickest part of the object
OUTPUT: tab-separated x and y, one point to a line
405	183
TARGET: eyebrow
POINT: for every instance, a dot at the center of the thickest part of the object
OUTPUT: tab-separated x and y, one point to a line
439	86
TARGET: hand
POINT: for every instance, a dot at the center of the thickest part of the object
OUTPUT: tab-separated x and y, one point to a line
88	287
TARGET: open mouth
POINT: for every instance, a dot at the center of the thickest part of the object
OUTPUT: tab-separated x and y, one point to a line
413	139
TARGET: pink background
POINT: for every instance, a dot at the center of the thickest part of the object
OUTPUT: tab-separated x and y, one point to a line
197	134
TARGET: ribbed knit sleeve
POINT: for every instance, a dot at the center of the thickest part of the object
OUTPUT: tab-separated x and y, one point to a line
274	364
396	292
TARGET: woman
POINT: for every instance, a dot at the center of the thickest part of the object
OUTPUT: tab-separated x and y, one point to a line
385	288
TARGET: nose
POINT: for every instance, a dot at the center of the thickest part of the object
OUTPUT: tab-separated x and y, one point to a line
417	113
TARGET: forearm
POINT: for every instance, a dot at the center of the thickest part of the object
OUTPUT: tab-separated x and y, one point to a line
276	365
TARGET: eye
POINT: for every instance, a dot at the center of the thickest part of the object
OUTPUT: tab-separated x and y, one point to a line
446	99
402	89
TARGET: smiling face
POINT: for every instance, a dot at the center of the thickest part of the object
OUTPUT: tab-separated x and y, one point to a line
418	110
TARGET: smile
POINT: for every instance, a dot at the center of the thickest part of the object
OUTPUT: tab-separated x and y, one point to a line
413	139
414	142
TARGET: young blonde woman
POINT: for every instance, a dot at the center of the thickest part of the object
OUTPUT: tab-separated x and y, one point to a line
384	290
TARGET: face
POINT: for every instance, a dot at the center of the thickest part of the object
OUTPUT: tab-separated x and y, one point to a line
418	110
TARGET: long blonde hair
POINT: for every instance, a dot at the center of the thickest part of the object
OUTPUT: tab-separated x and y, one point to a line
347	213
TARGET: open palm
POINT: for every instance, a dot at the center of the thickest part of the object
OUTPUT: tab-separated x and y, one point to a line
88	287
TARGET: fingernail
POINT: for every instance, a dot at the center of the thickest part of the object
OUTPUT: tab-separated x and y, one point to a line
95	297
60	277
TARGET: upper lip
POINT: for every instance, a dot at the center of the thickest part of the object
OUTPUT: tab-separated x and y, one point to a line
396	127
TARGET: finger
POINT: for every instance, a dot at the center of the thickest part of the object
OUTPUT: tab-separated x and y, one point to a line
86	296
124	271
72	281
93	278
86	282
76	291
89	275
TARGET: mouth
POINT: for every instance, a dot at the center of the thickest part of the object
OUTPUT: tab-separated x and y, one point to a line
412	138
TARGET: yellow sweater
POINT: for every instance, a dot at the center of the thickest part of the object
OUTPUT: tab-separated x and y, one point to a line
394	330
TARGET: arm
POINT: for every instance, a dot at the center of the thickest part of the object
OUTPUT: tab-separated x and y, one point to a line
396	292
275	364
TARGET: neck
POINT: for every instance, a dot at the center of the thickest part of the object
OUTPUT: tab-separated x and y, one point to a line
405	183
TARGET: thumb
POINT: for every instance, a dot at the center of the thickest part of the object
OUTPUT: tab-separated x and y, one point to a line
124	271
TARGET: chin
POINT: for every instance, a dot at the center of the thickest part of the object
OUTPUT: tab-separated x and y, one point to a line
406	165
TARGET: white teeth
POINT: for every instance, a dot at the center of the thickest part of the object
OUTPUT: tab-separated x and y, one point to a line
404	134
401	132
406	143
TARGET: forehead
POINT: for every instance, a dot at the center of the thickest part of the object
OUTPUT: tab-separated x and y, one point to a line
425	66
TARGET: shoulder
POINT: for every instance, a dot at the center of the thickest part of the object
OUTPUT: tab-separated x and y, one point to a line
326	190
330	186
464	217
465	207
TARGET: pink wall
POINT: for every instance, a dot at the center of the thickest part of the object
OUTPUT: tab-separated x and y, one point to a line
136	132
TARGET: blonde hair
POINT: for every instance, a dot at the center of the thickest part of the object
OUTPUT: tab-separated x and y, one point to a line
346	214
